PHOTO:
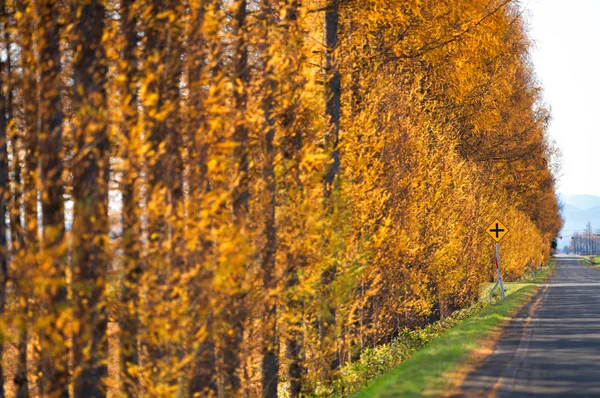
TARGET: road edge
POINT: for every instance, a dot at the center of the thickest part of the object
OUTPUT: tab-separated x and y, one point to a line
485	348
487	345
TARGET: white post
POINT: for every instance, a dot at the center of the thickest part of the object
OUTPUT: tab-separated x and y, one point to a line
498	271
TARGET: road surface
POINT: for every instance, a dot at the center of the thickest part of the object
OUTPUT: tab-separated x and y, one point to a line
552	347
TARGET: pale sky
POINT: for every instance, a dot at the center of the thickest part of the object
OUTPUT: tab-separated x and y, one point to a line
566	34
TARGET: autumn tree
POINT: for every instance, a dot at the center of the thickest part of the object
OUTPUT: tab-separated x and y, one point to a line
53	336
90	195
130	301
4	253
25	26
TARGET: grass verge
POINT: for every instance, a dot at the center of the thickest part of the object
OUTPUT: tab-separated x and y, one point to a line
542	274
590	262
425	373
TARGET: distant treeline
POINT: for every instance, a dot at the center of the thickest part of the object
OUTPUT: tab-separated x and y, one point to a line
586	242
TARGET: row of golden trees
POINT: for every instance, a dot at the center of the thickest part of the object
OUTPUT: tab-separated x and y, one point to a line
210	197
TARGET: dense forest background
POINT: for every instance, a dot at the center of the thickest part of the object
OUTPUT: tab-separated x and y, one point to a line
238	197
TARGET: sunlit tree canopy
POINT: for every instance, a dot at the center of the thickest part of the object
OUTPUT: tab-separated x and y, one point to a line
237	198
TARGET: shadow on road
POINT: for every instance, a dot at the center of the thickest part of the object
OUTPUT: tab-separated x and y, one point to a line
552	347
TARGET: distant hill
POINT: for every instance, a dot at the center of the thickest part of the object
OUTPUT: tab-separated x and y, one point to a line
582	202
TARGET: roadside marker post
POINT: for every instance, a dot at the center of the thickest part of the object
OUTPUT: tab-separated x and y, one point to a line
497	231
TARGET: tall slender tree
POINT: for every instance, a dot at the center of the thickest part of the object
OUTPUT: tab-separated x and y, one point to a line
270	348
234	311
24	23
292	144
199	58
156	259
4	197
90	196
333	95
54	361
129	319
15	207
330	181
174	173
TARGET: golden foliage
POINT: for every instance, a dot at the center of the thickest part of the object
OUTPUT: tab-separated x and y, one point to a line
205	209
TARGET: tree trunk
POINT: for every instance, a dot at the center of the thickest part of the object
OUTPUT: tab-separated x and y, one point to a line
270	345
241	77
332	97
54	360
330	182
234	311
203	375
292	152
16	229
90	195
4	197
129	317
174	174
164	182
158	198
295	338
30	191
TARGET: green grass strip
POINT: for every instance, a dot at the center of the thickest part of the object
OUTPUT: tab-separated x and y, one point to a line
585	261
423	373
593	262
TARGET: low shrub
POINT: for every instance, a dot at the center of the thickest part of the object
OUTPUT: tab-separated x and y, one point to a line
376	361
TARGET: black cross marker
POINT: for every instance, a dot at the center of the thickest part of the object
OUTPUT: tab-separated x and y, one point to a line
497	230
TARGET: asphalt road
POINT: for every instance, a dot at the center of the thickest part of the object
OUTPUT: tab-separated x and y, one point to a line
552	347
